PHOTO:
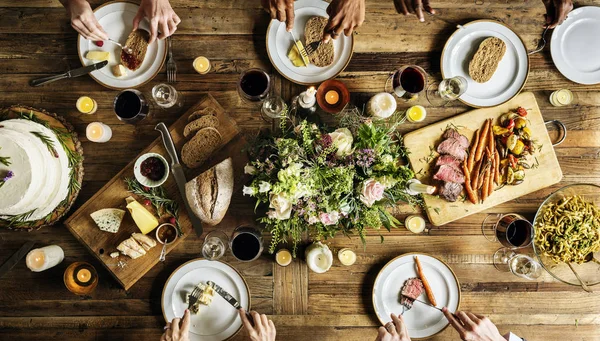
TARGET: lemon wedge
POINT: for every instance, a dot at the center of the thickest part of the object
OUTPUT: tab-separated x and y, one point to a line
416	113
86	105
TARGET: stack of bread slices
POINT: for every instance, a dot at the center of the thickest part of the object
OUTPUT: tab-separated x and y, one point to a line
203	136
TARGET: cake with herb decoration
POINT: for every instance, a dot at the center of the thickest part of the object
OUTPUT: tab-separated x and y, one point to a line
40	167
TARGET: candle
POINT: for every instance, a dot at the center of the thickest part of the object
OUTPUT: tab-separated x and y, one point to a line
44	258
86	105
98	132
415	223
415	187
416	113
318	257
562	97
80	278
332	97
283	257
382	105
84	275
308	96
347	257
202	65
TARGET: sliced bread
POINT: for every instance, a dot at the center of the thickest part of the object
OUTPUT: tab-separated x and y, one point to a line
203	122
209	194
202	112
137	41
313	31
200	147
485	61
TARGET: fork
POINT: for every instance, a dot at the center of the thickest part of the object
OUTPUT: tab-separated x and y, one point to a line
541	44
127	49
194	296
171	66
312	47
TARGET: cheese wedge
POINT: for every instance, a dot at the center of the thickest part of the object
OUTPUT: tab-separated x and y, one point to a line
119	70
144	220
108	219
97	55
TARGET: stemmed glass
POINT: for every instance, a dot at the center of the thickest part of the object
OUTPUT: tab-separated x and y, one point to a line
511	230
449	89
507	260
215	244
407	82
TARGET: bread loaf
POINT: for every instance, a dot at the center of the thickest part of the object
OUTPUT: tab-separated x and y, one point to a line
313	31
486	59
202	112
209	194
200	147
203	122
137	41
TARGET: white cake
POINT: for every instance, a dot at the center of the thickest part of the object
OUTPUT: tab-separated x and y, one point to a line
41	177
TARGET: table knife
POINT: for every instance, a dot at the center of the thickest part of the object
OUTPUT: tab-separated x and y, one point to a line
428	304
15	258
177	171
70	74
230	299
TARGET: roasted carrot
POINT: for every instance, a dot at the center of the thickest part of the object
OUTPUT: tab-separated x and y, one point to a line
490	136
497	164
474	144
484	190
426	285
482	140
475	174
470	193
484	167
492	175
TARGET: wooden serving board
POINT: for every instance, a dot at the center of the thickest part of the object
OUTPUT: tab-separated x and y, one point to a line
419	142
113	195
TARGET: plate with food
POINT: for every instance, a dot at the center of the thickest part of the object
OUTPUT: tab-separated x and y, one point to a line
213	318
575	46
325	63
407	284
493	59
124	70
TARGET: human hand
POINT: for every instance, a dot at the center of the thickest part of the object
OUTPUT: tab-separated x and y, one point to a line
160	14
416	7
177	330
473	327
263	329
282	10
344	16
393	331
556	11
83	20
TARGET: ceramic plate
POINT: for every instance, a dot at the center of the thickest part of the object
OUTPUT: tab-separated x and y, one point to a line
218	321
280	41
512	72
575	46
422	321
117	20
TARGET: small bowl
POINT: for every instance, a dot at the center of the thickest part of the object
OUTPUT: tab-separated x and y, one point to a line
162	226
144	180
340	88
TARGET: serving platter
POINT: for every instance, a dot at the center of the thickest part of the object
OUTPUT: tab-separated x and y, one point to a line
547	171
279	42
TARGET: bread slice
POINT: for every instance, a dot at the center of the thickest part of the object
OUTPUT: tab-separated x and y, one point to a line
146	242
202	112
138	43
313	31
486	59
203	122
200	147
209	194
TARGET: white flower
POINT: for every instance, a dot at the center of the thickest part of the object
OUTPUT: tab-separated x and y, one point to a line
281	205
372	191
249	191
345	209
387	181
387	159
249	169
330	218
264	187
342	139
313	220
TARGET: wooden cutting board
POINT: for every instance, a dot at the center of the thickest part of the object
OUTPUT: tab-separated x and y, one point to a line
420	144
113	195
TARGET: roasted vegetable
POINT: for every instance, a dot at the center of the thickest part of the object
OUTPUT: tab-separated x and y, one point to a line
520	123
518	149
526	133
510	124
521	111
511	142
498	130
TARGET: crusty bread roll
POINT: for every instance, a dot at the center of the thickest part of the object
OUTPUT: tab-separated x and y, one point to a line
486	59
313	31
209	194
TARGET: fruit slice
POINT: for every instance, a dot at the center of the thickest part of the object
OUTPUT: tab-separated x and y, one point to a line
97	55
85	105
416	113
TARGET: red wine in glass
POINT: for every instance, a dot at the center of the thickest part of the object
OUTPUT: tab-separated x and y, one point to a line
131	106
254	85
409	81
246	244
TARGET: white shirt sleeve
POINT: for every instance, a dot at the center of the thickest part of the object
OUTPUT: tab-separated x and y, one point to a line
512	337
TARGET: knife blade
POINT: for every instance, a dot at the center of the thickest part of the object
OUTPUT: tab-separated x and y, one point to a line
427	304
178	174
15	258
230	299
69	74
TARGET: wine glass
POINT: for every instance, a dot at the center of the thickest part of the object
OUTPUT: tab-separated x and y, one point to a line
167	97
511	230
254	85
407	82
449	89
507	260
131	106
215	244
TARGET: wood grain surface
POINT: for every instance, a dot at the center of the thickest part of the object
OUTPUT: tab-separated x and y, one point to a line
37	40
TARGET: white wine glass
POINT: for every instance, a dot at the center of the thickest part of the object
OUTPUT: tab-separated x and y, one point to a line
215	244
521	265
449	89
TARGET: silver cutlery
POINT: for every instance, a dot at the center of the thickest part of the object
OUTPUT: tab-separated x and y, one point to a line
541	44
425	303
227	296
171	66
70	74
194	296
163	253
127	49
583	285
312	47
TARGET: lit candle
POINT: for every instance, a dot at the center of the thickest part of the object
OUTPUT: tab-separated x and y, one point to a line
202	65
44	258
415	187
415	223
332	97
562	97
347	257
84	275
283	257
382	105
98	132
80	278
308	96
86	105
318	257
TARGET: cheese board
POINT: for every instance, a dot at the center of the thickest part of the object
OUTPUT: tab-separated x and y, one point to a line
101	244
422	144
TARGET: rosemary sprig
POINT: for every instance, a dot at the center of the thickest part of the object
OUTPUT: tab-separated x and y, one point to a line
18	220
47	141
4	160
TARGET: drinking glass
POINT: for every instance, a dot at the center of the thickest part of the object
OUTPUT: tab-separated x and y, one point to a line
273	107
167	97
246	243
131	106
449	89
511	230
507	260
215	245
407	82
254	85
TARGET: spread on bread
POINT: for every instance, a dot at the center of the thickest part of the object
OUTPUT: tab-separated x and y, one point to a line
137	41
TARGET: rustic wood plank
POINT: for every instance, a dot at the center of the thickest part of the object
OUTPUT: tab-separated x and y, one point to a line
290	296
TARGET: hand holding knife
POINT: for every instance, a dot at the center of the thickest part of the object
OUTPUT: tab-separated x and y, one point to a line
230	299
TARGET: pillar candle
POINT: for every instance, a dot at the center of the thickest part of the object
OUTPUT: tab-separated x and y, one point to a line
318	257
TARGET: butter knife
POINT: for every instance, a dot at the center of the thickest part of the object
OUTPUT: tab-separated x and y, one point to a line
15	258
230	299
70	74
177	171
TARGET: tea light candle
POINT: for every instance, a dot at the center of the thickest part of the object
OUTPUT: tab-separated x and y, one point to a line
84	275
332	97
283	257
98	132
318	257
415	223
347	257
44	258
382	105
202	65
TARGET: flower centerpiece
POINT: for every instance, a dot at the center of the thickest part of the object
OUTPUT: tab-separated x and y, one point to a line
311	180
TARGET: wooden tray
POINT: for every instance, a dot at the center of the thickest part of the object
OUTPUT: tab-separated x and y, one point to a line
418	142
113	195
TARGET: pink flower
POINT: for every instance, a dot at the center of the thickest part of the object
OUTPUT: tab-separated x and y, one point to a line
371	192
330	218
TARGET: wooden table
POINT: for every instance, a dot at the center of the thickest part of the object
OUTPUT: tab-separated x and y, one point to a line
36	39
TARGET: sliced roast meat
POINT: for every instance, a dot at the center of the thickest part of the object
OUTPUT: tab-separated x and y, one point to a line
454	134
449	174
451	191
447	160
452	147
412	288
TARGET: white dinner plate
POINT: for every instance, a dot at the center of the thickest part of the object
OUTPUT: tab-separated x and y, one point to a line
279	42
575	46
218	321
117	20
422	321
512	72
